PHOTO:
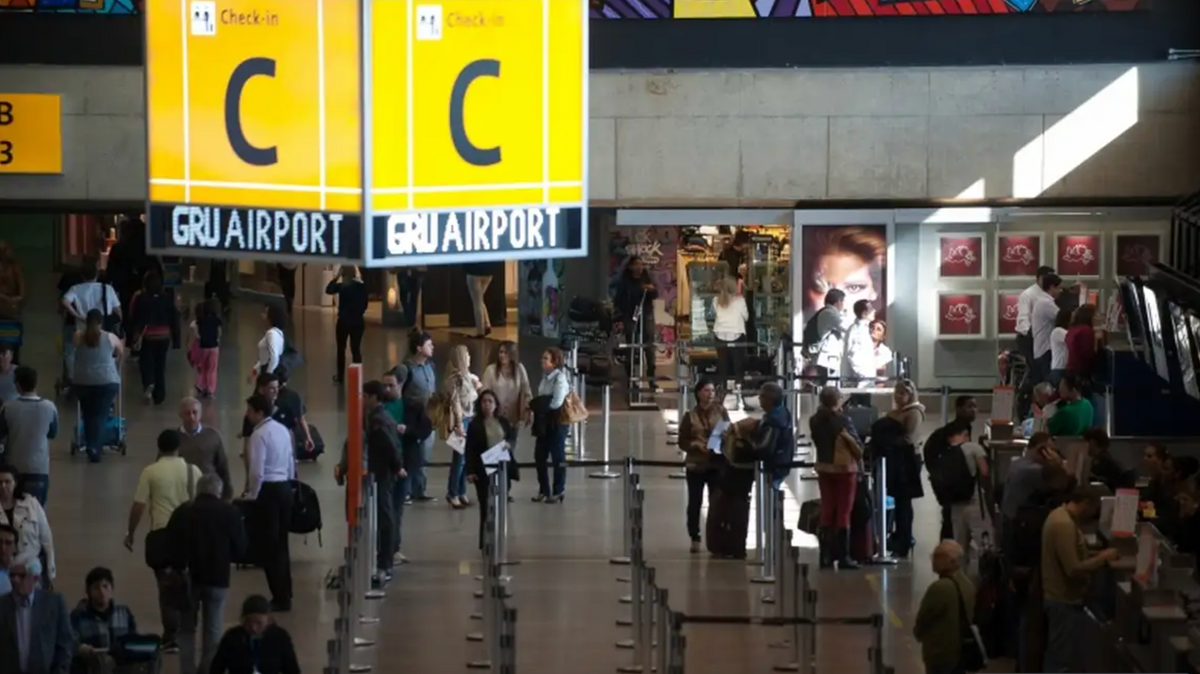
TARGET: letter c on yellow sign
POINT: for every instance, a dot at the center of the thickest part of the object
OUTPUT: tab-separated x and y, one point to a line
470	152
242	74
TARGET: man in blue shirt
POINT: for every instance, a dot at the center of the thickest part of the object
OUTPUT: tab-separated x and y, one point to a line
27	425
8	551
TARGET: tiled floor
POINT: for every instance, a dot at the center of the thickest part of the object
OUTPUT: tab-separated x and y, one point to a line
564	587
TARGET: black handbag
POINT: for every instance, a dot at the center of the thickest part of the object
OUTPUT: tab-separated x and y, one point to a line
972	656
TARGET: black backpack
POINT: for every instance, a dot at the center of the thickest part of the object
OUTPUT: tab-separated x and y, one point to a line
949	475
812	337
306	511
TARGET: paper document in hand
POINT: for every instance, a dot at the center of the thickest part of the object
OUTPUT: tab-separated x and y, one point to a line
457	442
494	455
718	434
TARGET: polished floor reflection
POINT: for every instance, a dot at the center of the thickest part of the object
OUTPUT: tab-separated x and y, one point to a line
564	587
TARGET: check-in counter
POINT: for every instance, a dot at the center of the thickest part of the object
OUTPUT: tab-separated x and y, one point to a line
1150	609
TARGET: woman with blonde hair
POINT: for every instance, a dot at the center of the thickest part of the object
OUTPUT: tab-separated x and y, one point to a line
461	389
508	380
729	326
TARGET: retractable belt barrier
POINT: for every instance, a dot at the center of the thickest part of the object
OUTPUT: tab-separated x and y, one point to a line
658	643
353	581
498	634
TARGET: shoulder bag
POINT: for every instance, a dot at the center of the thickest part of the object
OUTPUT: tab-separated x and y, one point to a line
972	655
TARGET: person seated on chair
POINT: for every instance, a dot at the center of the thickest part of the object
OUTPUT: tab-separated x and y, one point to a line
99	623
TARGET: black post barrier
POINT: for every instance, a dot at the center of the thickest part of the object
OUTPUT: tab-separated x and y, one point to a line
630	484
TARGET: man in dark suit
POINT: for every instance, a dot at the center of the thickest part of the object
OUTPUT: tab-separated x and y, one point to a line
35	626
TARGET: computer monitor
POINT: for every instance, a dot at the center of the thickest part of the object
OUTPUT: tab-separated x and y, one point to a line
1184	347
1154	332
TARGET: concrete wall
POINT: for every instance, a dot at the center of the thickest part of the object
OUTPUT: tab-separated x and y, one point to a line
745	137
769	136
104	133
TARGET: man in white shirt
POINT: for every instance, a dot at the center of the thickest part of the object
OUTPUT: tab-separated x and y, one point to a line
91	294
1025	302
1041	325
272	470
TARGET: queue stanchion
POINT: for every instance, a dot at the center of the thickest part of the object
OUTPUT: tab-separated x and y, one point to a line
493	601
684	408
945	393
674	645
772	538
882	556
660	626
606	402
790	606
491	533
508	640
371	505
347	624
876	655
638	580
636	537
502	505
630	483
487	553
761	505
806	634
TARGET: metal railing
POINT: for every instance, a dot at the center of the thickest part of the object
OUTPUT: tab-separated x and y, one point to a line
658	643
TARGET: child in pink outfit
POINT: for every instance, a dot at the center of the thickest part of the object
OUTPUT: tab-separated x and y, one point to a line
205	348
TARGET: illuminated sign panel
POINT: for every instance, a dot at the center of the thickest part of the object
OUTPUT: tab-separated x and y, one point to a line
253	110
31	133
472	115
478	117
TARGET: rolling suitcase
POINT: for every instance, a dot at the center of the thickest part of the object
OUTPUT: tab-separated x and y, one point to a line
727	526
810	516
253	554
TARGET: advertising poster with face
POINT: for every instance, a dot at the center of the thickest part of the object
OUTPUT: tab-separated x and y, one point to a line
852	258
1134	253
540	304
1018	255
1077	255
960	315
960	256
653	251
1006	312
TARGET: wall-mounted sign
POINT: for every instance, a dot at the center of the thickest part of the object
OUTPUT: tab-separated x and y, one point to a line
256	232
477	125
31	133
477	235
252	107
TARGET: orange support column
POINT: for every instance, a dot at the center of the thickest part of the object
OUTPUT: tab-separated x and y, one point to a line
354	444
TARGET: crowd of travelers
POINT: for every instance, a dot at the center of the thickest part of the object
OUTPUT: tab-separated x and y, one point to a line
1021	537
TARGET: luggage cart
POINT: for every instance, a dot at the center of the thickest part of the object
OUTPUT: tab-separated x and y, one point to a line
112	437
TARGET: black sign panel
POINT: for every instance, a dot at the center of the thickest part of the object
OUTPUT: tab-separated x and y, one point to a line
276	234
482	235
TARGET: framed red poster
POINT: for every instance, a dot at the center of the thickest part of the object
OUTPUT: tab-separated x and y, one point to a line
960	315
1006	312
1077	255
1134	251
960	256
1019	254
